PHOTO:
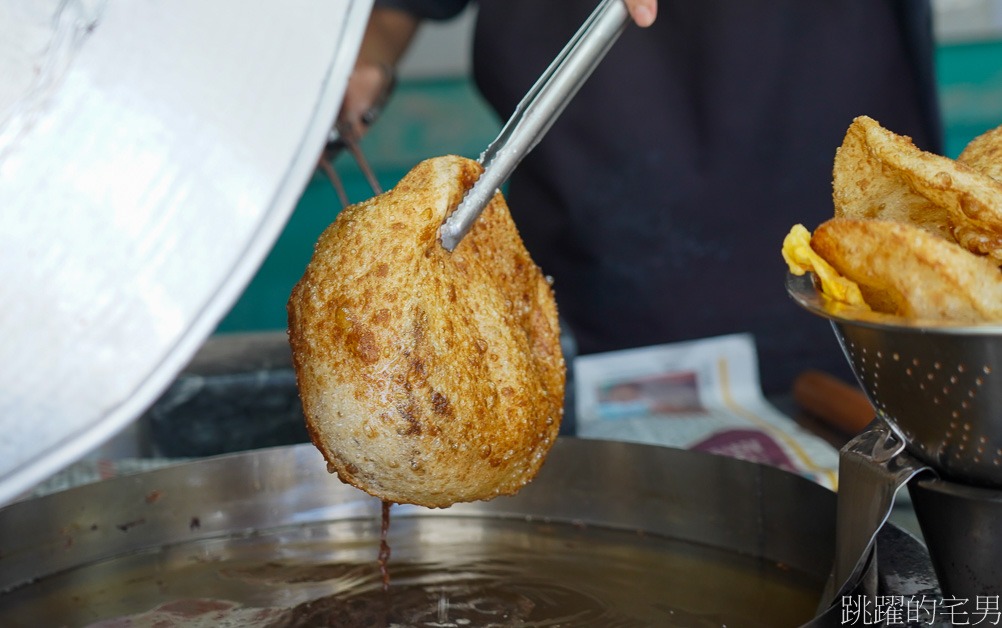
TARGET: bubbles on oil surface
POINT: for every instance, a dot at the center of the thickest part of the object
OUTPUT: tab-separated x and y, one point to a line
476	601
445	572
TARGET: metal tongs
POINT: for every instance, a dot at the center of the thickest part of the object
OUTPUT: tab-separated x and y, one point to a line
538	111
341	137
344	135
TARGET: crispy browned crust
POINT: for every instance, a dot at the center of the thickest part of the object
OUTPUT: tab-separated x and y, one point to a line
879	174
427	377
902	269
984	153
864	186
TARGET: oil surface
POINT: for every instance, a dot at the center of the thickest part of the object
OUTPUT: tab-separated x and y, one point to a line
444	572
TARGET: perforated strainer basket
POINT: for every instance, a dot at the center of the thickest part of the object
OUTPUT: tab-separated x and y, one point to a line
940	387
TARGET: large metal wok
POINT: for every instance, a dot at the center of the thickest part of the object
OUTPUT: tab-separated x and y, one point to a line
608	534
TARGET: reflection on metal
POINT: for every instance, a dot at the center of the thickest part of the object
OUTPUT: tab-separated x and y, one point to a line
611	509
140	192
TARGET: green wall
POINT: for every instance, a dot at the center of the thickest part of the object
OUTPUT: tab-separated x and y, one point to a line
430	118
970	84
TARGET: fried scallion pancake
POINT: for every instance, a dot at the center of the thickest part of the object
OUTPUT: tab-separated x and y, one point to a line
902	269
984	153
427	377
879	174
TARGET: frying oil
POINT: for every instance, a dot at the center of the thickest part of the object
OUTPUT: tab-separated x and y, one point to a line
445	571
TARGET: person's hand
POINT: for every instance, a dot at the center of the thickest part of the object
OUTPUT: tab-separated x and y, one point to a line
369	86
643	12
387	35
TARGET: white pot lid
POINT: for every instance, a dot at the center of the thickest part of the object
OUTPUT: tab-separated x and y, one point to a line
150	153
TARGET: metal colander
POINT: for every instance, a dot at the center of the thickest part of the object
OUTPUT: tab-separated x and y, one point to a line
939	387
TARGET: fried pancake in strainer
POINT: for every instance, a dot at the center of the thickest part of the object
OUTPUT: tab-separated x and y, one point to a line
879	174
904	270
984	153
427	377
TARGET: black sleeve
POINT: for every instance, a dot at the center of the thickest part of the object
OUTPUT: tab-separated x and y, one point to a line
430	9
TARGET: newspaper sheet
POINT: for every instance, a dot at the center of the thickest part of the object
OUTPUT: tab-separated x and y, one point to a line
702	395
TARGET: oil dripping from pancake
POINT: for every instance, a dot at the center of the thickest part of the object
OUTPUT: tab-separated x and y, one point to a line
383	558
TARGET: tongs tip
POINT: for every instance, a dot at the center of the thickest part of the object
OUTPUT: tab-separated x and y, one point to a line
341	137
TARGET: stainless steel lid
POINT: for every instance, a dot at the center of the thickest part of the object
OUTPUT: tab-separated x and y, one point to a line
150	153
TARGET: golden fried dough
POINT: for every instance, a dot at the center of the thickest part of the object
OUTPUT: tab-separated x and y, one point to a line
427	377
879	174
984	153
902	269
865	185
